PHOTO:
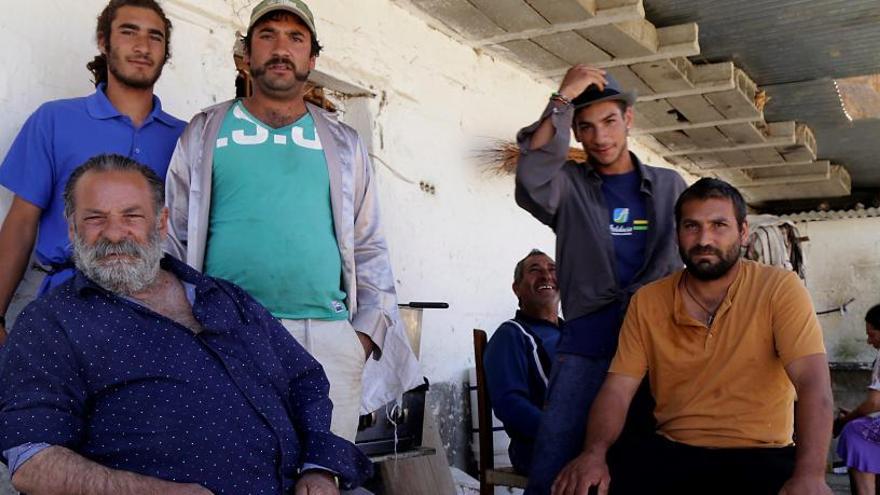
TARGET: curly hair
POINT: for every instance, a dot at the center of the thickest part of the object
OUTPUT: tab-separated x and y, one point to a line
98	65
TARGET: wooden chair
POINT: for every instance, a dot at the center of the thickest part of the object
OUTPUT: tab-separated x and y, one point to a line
489	476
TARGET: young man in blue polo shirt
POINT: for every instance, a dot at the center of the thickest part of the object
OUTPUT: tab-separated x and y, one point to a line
122	116
615	231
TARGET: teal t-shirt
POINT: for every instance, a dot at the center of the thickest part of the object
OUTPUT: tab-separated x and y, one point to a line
271	224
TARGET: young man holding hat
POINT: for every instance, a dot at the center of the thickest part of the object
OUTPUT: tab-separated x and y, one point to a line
615	231
278	196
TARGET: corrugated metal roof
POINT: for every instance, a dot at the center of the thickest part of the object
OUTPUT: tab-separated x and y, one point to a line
817	216
794	49
780	41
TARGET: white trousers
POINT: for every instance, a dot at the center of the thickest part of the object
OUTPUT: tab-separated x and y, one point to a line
336	346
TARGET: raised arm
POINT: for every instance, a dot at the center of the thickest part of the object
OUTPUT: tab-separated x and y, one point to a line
540	181
607	417
61	470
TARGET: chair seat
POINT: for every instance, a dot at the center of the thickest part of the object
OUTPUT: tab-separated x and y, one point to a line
505	476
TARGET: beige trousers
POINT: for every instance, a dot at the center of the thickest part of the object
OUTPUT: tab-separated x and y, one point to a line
336	346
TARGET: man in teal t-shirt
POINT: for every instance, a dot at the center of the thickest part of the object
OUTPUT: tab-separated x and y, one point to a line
278	197
271	216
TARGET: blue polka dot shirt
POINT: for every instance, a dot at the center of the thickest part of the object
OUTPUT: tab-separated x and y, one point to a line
239	407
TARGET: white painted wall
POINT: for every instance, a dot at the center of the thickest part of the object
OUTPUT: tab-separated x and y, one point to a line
438	100
843	261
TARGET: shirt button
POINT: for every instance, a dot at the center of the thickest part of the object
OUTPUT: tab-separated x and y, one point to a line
137	150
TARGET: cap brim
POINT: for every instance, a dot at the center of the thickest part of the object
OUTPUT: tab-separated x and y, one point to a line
629	97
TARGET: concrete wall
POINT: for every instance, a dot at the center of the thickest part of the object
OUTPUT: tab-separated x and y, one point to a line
436	102
843	262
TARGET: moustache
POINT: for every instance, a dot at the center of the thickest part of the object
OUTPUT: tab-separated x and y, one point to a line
698	250
280	61
276	60
145	60
104	248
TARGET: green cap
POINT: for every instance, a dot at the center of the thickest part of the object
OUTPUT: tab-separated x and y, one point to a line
296	7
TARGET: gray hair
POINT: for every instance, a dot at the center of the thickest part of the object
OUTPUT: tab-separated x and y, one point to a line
114	163
520	266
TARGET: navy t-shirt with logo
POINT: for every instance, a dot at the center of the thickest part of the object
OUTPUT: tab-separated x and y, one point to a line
596	334
628	224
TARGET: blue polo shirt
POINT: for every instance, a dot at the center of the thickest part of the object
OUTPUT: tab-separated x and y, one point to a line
59	137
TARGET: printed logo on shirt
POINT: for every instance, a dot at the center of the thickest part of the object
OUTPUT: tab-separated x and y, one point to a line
624	230
621	215
337	306
261	135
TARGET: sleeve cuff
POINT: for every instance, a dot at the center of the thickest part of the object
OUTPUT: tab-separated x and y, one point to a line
374	323
333	454
16	456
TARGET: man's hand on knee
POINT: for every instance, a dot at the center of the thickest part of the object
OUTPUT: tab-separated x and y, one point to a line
316	483
585	471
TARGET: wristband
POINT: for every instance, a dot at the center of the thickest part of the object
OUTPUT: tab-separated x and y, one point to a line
560	97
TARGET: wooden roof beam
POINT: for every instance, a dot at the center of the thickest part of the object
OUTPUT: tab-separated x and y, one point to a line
609	13
674	41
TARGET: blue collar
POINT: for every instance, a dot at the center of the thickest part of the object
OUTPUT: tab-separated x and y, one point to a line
100	107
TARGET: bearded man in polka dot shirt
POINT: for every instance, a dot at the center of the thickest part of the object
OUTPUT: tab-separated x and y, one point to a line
140	375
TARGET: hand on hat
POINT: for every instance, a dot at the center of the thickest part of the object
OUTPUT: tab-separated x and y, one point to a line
579	78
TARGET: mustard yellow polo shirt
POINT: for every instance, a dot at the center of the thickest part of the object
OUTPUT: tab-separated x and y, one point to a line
723	386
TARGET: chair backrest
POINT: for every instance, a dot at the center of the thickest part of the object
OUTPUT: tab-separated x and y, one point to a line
484	409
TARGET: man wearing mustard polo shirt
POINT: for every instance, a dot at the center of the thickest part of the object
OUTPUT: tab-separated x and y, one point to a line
727	345
279	197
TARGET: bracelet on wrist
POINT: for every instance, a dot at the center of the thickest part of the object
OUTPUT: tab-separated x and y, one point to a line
557	96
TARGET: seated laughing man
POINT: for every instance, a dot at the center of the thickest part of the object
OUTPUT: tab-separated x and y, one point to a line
727	345
140	375
519	354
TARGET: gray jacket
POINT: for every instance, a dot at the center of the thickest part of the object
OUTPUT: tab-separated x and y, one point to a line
567	196
366	267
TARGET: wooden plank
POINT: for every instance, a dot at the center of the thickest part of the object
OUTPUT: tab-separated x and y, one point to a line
656	114
670	51
462	17
665	75
839	184
732	157
780	134
511	15
675	141
625	39
739	102
428	475
626	11
629	80
557	12
695	108
814	168
684	126
533	56
762	155
742	133
572	48
804	148
733	176
703	78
